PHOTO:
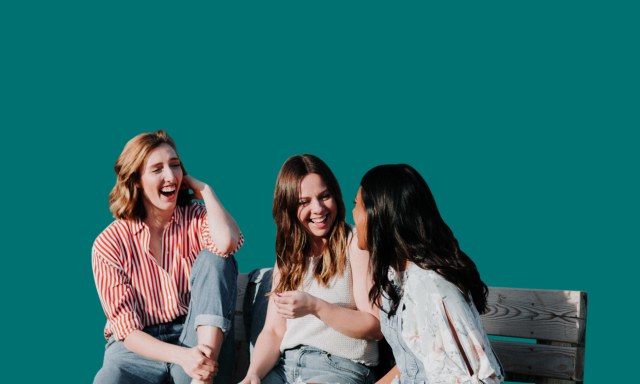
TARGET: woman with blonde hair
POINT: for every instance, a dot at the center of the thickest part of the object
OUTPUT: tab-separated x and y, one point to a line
164	271
320	326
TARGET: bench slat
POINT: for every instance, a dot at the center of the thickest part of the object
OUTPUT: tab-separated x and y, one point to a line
536	314
540	360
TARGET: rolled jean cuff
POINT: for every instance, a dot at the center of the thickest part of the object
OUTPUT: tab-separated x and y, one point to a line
214	321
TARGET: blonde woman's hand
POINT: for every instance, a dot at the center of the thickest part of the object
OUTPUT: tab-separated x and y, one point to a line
251	378
189	182
294	304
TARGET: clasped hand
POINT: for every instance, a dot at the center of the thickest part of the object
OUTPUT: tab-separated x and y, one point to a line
295	304
197	363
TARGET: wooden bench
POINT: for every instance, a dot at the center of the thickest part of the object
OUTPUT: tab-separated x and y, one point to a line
554	320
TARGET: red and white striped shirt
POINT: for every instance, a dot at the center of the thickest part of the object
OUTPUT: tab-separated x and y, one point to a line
135	291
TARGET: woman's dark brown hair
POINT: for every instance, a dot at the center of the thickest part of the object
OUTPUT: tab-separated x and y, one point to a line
125	199
404	224
293	245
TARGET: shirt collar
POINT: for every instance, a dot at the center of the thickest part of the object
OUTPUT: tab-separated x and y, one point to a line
139	225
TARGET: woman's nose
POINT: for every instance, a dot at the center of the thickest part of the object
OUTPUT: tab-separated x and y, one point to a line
317	206
170	176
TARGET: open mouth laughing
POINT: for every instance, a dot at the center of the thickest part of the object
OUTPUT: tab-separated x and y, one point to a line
168	191
319	221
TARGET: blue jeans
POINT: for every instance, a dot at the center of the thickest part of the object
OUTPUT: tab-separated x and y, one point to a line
214	292
313	365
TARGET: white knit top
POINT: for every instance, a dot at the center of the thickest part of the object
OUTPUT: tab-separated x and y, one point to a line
311	331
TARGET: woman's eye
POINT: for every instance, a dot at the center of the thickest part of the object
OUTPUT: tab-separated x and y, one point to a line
175	165
354	202
304	202
156	170
326	197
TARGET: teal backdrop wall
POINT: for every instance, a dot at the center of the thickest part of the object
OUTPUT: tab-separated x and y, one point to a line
521	116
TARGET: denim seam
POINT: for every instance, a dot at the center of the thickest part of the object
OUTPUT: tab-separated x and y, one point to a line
326	357
213	320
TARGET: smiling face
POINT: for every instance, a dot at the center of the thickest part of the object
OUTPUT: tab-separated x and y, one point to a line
318	209
360	219
160	179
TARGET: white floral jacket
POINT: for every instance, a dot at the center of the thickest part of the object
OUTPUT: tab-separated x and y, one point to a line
427	333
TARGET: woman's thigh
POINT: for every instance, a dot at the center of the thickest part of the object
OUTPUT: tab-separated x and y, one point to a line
320	367
277	375
121	366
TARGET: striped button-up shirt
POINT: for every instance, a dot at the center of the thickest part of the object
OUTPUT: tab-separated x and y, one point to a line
136	291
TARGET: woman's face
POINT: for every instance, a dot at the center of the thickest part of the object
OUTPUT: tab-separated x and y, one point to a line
318	209
360	219
160	178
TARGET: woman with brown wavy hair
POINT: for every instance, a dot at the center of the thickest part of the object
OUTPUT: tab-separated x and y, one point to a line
320	325
165	273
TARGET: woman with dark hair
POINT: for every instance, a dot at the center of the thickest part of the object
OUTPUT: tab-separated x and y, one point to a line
429	292
320	326
164	272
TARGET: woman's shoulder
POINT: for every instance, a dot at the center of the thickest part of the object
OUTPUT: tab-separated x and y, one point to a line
119	228
192	211
111	239
426	280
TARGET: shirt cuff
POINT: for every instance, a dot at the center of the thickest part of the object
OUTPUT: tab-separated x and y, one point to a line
124	324
208	243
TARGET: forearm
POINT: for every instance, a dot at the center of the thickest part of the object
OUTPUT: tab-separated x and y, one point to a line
223	229
265	354
353	323
148	346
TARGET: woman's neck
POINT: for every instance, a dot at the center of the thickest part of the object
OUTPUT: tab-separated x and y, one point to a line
156	219
317	246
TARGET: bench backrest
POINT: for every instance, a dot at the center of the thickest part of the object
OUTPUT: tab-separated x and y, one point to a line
554	320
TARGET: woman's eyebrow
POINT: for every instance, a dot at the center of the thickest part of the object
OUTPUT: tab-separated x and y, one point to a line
321	193
161	162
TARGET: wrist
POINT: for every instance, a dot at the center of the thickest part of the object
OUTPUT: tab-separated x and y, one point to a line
318	304
177	355
251	374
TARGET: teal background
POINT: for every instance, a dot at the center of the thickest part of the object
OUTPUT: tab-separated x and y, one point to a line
521	116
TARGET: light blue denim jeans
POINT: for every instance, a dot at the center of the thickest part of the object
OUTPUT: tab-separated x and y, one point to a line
313	365
213	299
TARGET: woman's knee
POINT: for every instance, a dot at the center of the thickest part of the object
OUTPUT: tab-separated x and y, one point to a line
214	266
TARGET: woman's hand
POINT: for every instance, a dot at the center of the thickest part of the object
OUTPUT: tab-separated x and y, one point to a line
188	182
197	363
294	304
251	378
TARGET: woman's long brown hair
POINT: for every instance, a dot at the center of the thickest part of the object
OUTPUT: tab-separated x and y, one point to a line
293	245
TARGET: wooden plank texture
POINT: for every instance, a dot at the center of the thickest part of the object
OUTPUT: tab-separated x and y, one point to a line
536	314
548	361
